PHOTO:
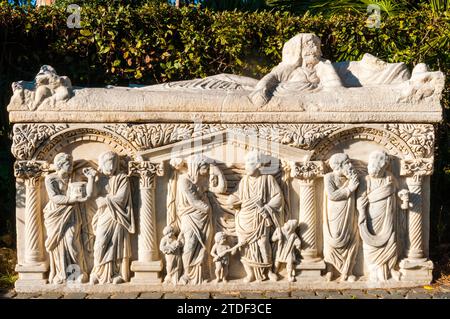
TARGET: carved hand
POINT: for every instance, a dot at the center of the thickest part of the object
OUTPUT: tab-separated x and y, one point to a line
89	172
72	199
353	183
82	199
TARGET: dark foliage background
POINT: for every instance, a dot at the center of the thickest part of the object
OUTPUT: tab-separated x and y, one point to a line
152	42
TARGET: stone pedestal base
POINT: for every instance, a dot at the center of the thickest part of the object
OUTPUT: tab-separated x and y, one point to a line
146	272
311	269
420	270
31	275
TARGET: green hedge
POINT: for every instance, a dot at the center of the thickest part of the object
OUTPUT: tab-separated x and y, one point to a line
156	43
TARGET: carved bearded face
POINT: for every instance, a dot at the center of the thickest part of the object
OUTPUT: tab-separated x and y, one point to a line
63	163
311	52
108	167
341	165
108	163
252	163
377	164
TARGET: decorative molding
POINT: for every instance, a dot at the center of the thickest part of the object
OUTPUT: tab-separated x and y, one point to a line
416	167
30	169
75	133
146	172
394	144
148	136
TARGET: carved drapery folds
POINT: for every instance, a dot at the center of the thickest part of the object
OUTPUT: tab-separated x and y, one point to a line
235	242
365	119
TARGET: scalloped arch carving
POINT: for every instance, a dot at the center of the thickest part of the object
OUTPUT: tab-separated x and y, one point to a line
393	144
73	135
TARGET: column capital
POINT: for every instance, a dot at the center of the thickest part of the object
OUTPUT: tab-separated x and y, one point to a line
307	170
146	171
416	169
30	170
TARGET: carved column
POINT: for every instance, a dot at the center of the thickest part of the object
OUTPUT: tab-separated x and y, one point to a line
148	266
34	266
417	263
307	172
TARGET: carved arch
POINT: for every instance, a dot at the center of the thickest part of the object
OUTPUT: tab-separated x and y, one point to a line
58	141
393	144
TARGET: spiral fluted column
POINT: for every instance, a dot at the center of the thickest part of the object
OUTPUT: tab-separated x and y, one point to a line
416	266
148	266
307	218
415	219
33	266
33	221
307	172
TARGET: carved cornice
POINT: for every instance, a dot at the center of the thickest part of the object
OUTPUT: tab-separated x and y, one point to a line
308	170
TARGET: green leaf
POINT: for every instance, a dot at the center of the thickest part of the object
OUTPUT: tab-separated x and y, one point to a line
85	32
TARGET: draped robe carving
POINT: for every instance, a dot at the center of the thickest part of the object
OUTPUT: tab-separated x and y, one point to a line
340	224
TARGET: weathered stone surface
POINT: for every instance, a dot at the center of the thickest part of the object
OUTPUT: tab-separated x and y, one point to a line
75	295
252	295
99	296
7	294
125	296
418	295
358	294
51	296
277	294
199	295
151	295
303	294
175	295
27	295
225	295
441	295
291	172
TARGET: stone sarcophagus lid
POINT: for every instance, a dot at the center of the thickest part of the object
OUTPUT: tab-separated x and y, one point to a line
315	176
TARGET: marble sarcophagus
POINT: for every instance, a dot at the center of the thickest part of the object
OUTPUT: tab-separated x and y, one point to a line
315	176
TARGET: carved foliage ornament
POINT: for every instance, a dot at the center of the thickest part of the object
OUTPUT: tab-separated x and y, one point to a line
147	136
29	169
28	137
307	170
146	171
419	137
416	167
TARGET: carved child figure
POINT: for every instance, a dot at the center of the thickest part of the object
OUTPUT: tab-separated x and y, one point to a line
288	242
220	252
171	248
